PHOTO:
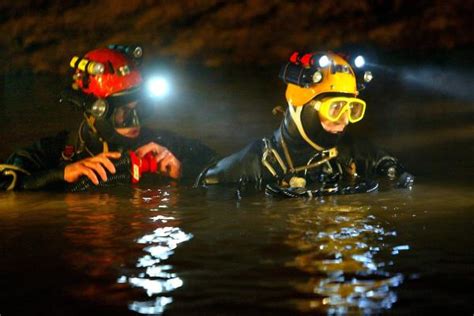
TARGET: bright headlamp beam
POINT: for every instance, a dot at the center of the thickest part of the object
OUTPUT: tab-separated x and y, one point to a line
324	61
359	61
157	86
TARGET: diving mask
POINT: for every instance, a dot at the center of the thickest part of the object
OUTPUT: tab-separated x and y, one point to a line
126	116
333	108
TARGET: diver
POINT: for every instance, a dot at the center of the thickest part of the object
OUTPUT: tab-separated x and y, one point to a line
310	153
110	142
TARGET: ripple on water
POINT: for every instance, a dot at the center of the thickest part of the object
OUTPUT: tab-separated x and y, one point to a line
341	250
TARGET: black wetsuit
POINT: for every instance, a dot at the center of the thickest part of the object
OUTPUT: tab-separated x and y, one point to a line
45	160
356	159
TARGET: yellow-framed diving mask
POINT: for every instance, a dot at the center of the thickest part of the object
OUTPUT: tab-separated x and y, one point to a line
333	108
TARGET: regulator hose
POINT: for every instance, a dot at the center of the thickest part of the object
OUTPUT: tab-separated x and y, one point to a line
129	169
331	189
121	176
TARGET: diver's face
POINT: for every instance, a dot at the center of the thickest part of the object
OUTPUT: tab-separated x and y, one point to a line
337	126
121	115
336	112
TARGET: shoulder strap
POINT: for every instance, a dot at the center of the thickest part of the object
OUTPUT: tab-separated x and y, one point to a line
270	156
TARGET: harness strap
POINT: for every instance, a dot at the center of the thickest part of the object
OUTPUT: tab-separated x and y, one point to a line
286	152
329	154
270	152
11	171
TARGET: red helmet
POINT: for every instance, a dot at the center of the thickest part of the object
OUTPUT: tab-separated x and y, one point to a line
104	72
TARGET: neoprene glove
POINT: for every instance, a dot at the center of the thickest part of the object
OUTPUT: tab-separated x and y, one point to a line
406	180
390	168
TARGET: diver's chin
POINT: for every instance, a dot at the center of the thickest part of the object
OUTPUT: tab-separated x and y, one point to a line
129	132
333	128
335	131
338	132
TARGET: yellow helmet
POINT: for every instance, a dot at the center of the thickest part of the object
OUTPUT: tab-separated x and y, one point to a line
313	74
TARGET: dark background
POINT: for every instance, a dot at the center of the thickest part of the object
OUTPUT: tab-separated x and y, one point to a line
42	35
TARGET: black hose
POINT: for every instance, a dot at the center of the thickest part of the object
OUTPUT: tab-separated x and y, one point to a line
336	188
121	176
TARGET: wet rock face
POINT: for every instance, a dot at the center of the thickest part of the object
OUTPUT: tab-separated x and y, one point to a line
42	35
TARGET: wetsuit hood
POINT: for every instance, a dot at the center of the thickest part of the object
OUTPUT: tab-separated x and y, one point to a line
94	141
309	132
315	131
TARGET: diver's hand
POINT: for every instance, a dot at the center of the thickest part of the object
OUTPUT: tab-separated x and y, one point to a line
91	167
406	180
394	171
168	164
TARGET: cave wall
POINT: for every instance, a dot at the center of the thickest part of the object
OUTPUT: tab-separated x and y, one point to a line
43	35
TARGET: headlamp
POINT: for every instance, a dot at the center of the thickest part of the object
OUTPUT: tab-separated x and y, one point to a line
85	65
134	52
359	61
324	61
317	76
137	52
99	108
368	76
157	87
301	76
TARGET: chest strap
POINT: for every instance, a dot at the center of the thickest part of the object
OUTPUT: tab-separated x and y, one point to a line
271	155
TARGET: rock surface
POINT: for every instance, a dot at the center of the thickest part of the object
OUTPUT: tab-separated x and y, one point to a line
42	35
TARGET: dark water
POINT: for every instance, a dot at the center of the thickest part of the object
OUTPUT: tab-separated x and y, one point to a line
158	249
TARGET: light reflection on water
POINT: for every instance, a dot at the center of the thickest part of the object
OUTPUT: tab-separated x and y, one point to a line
107	254
151	273
338	247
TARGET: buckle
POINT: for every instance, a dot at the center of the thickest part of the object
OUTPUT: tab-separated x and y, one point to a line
331	152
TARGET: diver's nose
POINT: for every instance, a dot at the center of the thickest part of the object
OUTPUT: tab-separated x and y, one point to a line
344	119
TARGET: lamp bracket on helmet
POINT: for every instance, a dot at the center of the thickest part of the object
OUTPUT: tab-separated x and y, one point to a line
81	102
85	103
301	70
134	52
85	65
303	77
305	70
